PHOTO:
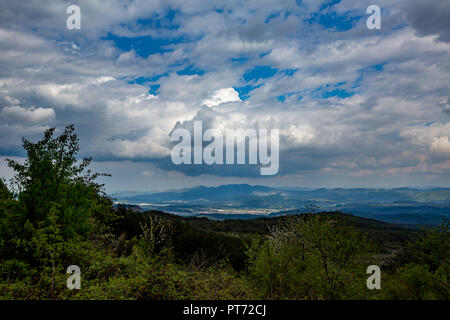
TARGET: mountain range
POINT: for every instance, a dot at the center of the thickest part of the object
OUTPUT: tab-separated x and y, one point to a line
404	206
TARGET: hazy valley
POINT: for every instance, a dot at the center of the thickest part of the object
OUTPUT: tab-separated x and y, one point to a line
402	206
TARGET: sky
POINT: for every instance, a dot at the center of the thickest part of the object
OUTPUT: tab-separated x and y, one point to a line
354	107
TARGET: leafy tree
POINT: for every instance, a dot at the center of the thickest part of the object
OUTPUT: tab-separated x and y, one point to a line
52	177
409	282
426	276
342	252
432	247
10	221
59	205
311	256
5	194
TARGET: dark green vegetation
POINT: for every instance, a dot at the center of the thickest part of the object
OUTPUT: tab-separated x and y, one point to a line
54	215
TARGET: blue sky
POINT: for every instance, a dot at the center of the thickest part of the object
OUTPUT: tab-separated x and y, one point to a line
355	107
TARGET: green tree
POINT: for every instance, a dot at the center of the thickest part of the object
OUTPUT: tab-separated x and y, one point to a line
9	220
59	207
52	176
312	256
5	194
427	274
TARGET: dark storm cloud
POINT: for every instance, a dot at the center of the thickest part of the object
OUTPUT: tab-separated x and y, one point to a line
429	17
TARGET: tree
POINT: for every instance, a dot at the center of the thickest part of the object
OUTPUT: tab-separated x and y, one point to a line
5	194
60	205
431	251
52	178
432	247
9	219
312	256
340	251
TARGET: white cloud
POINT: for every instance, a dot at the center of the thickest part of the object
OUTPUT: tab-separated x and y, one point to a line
441	145
298	135
36	115
434	137
222	96
103	79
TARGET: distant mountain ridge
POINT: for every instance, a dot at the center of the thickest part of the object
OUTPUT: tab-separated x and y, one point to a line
402	206
220	193
243	192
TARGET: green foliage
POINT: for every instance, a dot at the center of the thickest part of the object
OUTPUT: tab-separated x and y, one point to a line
5	194
51	179
57	206
9	220
426	275
13	269
411	282
311	256
432	247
